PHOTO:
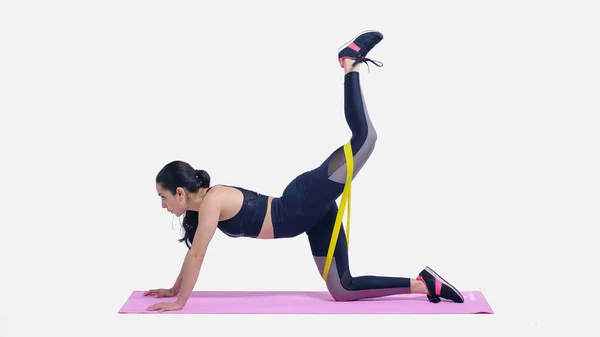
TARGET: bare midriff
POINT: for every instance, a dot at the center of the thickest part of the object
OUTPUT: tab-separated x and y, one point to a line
267	227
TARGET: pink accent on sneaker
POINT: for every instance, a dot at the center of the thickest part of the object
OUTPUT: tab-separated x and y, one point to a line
438	287
353	46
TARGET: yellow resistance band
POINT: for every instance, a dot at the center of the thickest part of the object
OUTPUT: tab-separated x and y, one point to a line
338	221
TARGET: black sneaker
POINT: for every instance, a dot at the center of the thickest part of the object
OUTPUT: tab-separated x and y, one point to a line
358	48
438	287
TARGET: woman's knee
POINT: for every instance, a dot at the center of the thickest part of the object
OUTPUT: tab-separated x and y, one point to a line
340	292
340	288
341	297
365	139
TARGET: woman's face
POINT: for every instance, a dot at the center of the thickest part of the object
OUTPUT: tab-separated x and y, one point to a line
174	203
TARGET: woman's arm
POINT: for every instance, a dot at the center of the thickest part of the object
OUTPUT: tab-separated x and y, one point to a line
177	286
208	218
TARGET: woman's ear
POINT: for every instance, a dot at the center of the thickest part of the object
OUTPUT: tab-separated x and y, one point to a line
180	193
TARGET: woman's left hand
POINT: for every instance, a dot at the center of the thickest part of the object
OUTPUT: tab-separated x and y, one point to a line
165	306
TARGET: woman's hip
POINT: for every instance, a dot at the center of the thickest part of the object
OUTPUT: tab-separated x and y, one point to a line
304	201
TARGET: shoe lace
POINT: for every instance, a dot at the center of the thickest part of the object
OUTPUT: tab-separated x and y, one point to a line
365	60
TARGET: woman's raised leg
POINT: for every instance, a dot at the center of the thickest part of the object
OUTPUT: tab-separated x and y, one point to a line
309	196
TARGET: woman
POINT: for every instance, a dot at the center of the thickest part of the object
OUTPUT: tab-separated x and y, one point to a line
307	205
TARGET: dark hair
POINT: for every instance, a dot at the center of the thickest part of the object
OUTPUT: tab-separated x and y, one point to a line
181	174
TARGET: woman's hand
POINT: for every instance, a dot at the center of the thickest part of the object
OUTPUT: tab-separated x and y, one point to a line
160	293
165	306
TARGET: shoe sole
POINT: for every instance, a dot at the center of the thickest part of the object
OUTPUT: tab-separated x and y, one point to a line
429	270
349	42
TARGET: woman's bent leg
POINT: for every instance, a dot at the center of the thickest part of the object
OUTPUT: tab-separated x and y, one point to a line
341	284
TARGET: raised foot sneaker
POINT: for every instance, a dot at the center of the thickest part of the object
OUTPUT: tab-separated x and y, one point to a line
358	48
438	287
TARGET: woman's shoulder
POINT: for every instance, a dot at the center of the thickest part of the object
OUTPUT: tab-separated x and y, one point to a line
229	191
222	191
219	188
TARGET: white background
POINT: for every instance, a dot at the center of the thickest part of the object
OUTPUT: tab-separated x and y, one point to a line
486	167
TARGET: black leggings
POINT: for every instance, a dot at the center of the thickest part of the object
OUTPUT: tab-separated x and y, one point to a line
308	205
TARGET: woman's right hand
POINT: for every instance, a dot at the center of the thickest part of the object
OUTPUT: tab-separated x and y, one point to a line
160	293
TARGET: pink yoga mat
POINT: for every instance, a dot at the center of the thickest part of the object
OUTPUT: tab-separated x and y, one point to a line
306	302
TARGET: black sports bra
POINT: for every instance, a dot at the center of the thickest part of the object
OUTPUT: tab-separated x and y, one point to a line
247	222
